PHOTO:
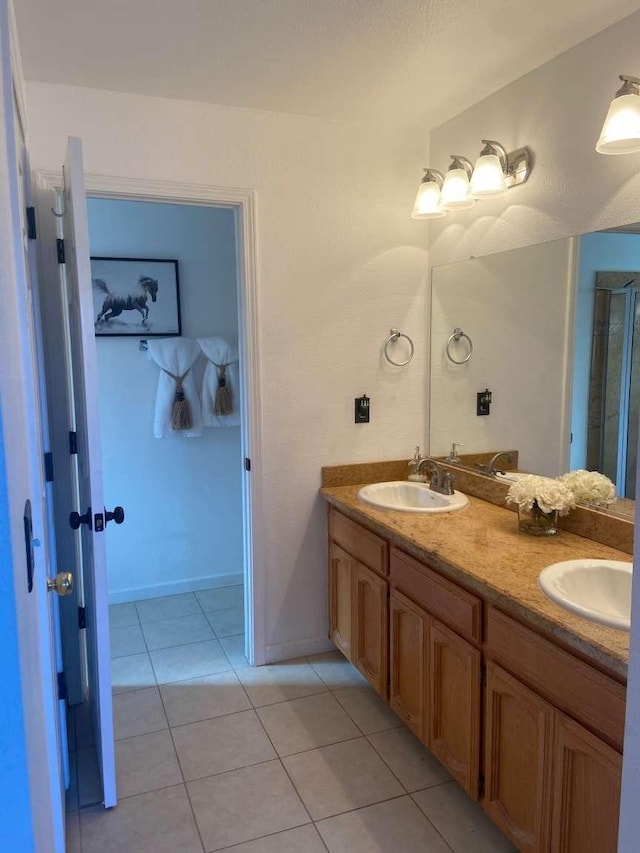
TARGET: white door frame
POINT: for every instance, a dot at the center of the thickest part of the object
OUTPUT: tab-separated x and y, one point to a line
243	203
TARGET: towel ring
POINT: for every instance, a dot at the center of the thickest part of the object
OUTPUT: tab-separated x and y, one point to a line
456	336
394	335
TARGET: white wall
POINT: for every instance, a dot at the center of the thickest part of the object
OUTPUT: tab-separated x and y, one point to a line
339	263
558	110
182	497
515	306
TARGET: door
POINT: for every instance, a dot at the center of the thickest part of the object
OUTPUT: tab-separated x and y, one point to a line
341	569
409	632
90	537
370	643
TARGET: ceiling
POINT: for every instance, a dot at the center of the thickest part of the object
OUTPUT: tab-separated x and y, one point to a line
399	62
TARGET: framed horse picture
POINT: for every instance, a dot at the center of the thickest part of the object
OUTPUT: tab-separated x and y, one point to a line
136	296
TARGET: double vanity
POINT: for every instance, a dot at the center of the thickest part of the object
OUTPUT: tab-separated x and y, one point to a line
521	700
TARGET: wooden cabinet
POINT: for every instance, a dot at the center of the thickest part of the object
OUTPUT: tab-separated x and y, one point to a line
517	761
341	575
454	705
370	639
586	790
408	640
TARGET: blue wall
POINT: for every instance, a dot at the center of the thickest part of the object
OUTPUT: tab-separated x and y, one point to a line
15	806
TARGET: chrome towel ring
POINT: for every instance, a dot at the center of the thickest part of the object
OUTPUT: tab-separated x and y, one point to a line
457	335
394	337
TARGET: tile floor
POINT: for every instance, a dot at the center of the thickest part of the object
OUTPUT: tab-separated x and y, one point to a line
299	757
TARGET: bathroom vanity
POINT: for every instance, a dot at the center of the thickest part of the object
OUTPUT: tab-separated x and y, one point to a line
521	701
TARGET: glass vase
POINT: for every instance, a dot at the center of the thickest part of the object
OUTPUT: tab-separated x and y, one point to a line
535	522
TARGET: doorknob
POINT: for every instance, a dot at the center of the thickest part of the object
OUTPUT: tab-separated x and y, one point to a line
75	520
62	583
117	515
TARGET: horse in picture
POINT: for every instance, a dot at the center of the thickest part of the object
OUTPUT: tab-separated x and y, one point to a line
115	304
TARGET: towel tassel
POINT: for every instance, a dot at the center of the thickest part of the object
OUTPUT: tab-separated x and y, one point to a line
181	417
223	402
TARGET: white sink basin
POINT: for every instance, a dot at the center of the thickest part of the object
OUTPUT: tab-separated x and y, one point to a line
410	497
599	590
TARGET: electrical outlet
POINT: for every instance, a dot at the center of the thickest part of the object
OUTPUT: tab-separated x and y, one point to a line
362	409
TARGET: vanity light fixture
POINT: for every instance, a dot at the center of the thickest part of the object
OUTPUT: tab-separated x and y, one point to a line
496	171
455	188
621	129
427	204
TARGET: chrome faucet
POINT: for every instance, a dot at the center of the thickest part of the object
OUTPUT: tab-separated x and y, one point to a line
441	480
490	469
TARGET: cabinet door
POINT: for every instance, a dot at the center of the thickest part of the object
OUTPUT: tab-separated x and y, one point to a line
454	705
518	743
409	632
586	790
370	642
341	578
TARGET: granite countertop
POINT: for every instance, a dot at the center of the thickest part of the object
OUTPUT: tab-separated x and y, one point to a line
481	548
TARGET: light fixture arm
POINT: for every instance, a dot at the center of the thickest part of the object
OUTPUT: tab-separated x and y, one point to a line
432	175
459	162
630	85
493	147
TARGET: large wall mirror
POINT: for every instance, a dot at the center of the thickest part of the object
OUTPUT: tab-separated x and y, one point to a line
555	330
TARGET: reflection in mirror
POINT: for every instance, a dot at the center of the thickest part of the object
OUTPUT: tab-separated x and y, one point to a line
553	331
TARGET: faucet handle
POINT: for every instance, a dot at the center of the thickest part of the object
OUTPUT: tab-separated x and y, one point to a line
447	485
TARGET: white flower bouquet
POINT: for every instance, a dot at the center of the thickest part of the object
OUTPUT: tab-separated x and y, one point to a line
590	487
548	494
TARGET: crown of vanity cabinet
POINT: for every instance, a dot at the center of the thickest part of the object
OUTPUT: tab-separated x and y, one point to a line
526	727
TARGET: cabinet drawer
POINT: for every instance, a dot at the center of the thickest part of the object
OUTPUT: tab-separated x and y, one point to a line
359	542
456	607
569	683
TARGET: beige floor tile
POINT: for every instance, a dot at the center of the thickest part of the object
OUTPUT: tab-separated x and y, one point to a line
72	833
409	760
233	647
245	804
132	673
137	713
127	641
307	723
177	632
203	698
123	615
167	607
336	671
158	822
228	622
221	744
303	839
460	821
146	763
366	709
341	777
221	598
181	663
396	826
279	682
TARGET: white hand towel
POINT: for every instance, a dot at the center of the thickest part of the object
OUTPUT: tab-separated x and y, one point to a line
176	356
217	352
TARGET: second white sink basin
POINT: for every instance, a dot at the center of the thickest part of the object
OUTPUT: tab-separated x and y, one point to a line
599	590
410	497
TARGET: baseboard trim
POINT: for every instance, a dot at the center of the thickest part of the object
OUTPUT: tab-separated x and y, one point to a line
174	587
297	649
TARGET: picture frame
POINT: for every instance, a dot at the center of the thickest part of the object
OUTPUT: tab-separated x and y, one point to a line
136	297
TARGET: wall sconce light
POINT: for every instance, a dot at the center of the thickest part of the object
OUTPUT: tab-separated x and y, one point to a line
496	171
427	204
455	188
621	129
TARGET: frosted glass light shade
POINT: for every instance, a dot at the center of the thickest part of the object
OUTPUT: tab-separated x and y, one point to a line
455	190
621	129
488	178
427	204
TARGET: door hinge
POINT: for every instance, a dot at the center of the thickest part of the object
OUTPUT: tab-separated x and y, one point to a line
481	786
31	223
60	250
48	467
247	463
62	687
82	617
73	442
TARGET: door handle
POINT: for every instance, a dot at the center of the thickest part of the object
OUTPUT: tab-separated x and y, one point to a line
75	520
117	515
62	584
